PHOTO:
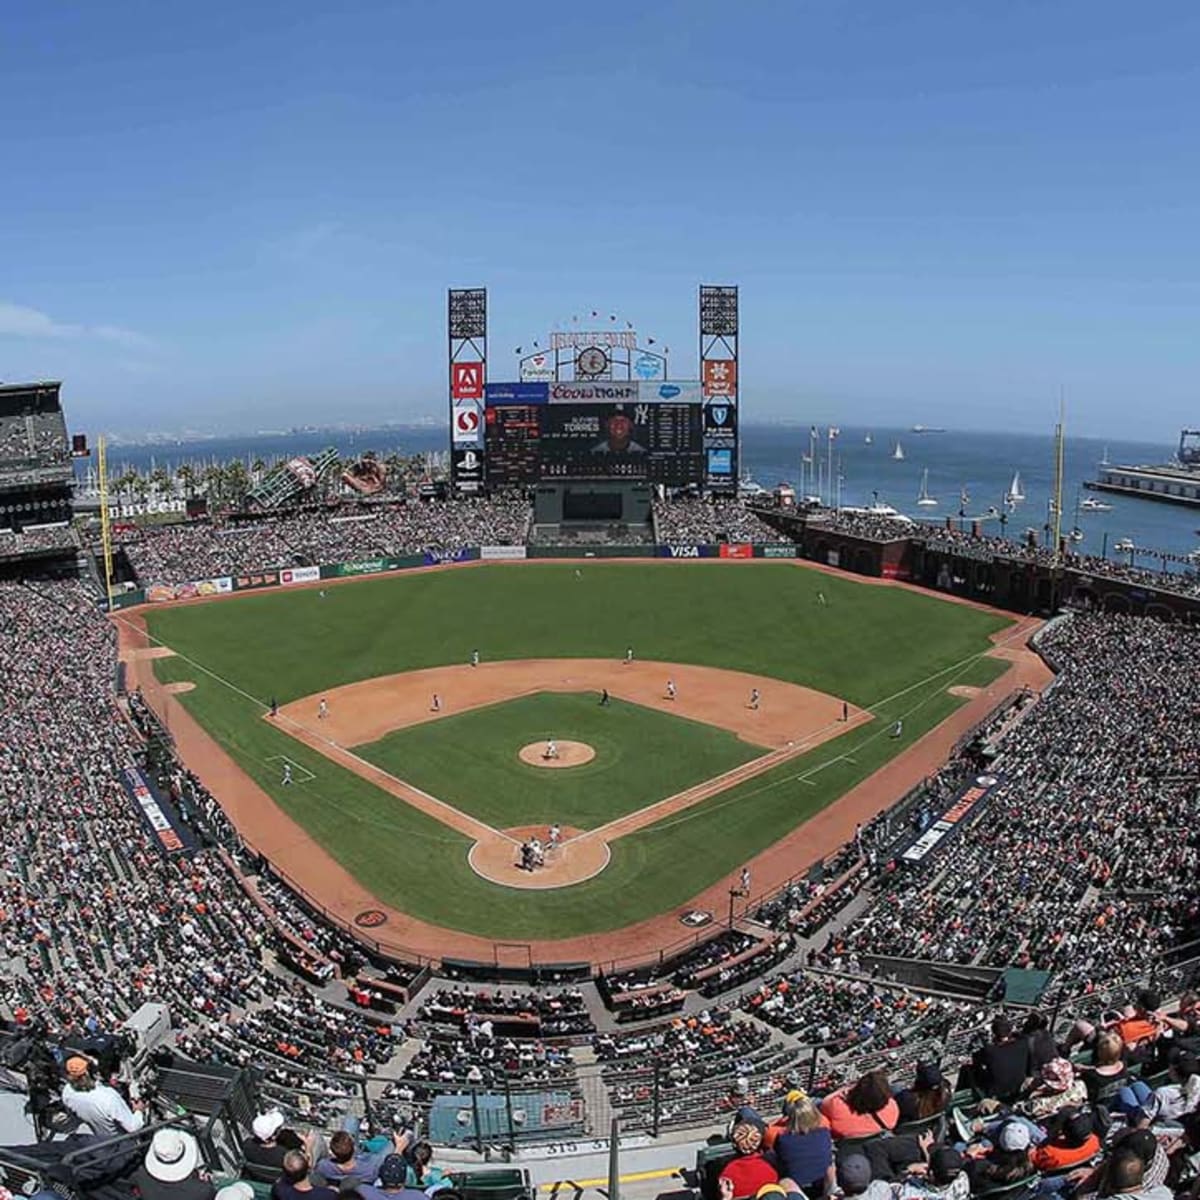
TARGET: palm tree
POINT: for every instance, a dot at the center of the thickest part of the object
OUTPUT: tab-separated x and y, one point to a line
237	480
160	481
186	475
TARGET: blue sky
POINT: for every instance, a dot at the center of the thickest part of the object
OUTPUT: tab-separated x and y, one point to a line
240	216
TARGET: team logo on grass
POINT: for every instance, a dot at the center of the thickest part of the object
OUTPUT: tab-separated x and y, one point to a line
695	917
371	918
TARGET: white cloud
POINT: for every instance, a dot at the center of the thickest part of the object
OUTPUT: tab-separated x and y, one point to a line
20	321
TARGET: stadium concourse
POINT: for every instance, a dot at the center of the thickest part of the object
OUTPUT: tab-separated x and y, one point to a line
1081	863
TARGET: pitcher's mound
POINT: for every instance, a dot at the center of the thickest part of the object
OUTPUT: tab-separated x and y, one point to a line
570	754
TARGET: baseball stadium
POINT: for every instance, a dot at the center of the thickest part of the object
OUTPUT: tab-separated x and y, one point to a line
557	813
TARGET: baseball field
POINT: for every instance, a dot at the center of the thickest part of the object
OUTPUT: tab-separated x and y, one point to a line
423	802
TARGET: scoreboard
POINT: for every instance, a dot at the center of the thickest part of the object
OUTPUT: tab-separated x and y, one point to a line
647	441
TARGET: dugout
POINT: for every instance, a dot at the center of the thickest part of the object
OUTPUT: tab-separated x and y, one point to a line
593	510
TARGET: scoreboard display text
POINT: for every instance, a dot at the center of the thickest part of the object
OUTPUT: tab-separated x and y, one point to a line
656	442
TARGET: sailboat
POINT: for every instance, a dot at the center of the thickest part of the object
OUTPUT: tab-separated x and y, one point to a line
1015	495
868	440
925	500
898	453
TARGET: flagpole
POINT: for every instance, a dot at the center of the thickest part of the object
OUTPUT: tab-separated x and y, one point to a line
829	463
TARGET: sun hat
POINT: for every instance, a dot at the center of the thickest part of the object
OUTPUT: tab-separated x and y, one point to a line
393	1171
1058	1074
1014	1136
238	1190
267	1124
746	1137
77	1067
173	1155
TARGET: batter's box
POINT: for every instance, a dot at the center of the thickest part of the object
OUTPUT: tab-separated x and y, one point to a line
300	774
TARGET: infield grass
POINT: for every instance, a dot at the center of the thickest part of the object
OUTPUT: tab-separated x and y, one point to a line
889	650
642	756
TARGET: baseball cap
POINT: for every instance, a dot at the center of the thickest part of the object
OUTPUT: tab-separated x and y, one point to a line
854	1173
77	1067
393	1172
746	1137
929	1076
945	1163
1014	1136
792	1099
267	1124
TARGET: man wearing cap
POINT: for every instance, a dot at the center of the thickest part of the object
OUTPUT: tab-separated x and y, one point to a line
854	1179
101	1108
392	1182
748	1170
171	1169
271	1141
944	1178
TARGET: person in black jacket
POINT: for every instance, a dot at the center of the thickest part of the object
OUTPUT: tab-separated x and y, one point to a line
1002	1067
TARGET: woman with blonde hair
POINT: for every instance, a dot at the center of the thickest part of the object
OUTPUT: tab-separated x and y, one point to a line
805	1151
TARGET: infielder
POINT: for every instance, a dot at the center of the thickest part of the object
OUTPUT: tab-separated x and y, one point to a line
628	655
554	836
670	689
435	704
754	697
474	658
322	709
551	748
287	774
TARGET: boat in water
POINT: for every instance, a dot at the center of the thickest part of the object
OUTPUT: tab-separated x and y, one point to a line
1174	482
927	429
868	440
1015	495
898	453
1091	504
925	500
1124	546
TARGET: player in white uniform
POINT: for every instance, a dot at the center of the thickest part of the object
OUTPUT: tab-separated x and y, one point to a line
474	658
670	689
551	748
287	774
628	655
554	836
754	697
322	709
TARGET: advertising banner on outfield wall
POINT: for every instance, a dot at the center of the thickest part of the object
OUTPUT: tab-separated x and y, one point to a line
501	553
736	550
299	575
433	558
253	580
776	551
128	599
158	593
685	551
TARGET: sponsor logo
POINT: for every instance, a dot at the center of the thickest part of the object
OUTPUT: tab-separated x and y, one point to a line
466	380
299	575
369	566
720	462
525	392
138	787
779	552
498	553
683	551
736	550
593	393
259	579
682	391
468	422
695	917
720	376
537	367
668	391
646	366
371	918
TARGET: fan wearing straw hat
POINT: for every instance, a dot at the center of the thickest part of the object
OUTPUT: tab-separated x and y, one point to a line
101	1108
171	1170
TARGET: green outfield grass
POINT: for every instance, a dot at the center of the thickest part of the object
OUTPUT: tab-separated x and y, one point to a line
886	649
642	756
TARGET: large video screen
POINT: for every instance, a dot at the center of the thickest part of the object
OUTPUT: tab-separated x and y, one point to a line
658	443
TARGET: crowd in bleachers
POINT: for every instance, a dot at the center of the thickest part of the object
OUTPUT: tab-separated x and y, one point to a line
1100	780
692	521
559	1013
185	552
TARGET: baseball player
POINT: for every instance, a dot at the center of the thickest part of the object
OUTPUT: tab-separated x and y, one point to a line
436	703
845	711
321	593
551	748
604	700
754	697
897	729
474	658
322	709
670	689
628	655
554	836
274	707
287	774
821	601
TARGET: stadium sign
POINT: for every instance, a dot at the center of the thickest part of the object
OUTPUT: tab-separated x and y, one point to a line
299	575
536	367
171	837
501	553
466	380
661	391
367	566
735	550
524	392
257	579
681	551
467	423
593	392
965	805
779	551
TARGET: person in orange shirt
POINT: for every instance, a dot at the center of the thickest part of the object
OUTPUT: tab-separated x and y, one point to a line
1075	1145
862	1110
1144	1025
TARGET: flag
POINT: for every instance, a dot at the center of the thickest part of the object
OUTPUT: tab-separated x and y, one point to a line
593	312
612	316
812	432
650	341
536	346
517	350
963	498
628	324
